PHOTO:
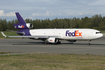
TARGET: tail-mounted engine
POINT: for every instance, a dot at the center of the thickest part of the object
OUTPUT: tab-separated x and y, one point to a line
29	25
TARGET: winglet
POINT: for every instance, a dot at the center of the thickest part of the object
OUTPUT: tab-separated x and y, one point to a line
3	34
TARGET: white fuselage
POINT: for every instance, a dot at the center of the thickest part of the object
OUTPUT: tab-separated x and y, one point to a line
68	34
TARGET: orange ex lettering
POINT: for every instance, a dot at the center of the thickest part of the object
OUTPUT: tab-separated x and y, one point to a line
51	40
22	26
77	33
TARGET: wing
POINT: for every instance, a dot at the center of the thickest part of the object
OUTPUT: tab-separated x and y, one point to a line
31	36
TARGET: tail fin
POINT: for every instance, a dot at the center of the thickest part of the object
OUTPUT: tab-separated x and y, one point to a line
20	19
24	28
21	24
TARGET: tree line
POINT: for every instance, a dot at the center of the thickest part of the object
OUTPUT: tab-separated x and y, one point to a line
95	22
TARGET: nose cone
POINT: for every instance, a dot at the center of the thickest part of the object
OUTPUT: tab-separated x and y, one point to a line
99	35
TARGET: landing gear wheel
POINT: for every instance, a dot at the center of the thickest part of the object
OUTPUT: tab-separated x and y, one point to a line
45	41
89	42
59	42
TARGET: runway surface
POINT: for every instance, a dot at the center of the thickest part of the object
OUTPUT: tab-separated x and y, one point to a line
22	46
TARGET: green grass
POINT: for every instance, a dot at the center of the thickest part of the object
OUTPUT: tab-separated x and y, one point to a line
103	31
40	61
5	52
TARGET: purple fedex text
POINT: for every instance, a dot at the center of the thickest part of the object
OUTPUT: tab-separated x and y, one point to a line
70	33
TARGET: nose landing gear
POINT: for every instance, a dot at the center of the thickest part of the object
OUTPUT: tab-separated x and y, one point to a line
89	42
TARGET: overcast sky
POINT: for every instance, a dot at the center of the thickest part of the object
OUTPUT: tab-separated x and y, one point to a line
42	9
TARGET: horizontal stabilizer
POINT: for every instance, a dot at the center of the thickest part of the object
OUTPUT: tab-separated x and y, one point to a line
3	34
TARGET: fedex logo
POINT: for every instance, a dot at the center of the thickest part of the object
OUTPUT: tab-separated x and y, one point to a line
20	26
51	40
75	33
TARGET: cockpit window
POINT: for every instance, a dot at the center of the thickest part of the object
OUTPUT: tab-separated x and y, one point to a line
98	32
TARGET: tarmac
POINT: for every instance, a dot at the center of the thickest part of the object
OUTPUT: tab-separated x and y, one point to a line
24	46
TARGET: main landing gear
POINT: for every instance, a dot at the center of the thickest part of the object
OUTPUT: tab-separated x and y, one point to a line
89	42
45	41
57	41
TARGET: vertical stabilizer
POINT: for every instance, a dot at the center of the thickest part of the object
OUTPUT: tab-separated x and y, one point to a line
22	26
20	19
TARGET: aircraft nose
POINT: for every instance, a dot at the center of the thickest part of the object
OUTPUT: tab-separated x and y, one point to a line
101	35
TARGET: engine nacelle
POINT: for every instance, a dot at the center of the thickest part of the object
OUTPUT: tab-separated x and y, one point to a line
29	25
51	40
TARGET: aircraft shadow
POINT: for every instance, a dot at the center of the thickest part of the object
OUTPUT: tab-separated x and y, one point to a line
42	43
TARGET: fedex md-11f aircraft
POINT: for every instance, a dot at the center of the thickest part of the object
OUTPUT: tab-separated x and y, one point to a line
54	35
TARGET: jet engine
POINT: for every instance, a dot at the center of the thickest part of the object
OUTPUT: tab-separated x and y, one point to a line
29	25
52	40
